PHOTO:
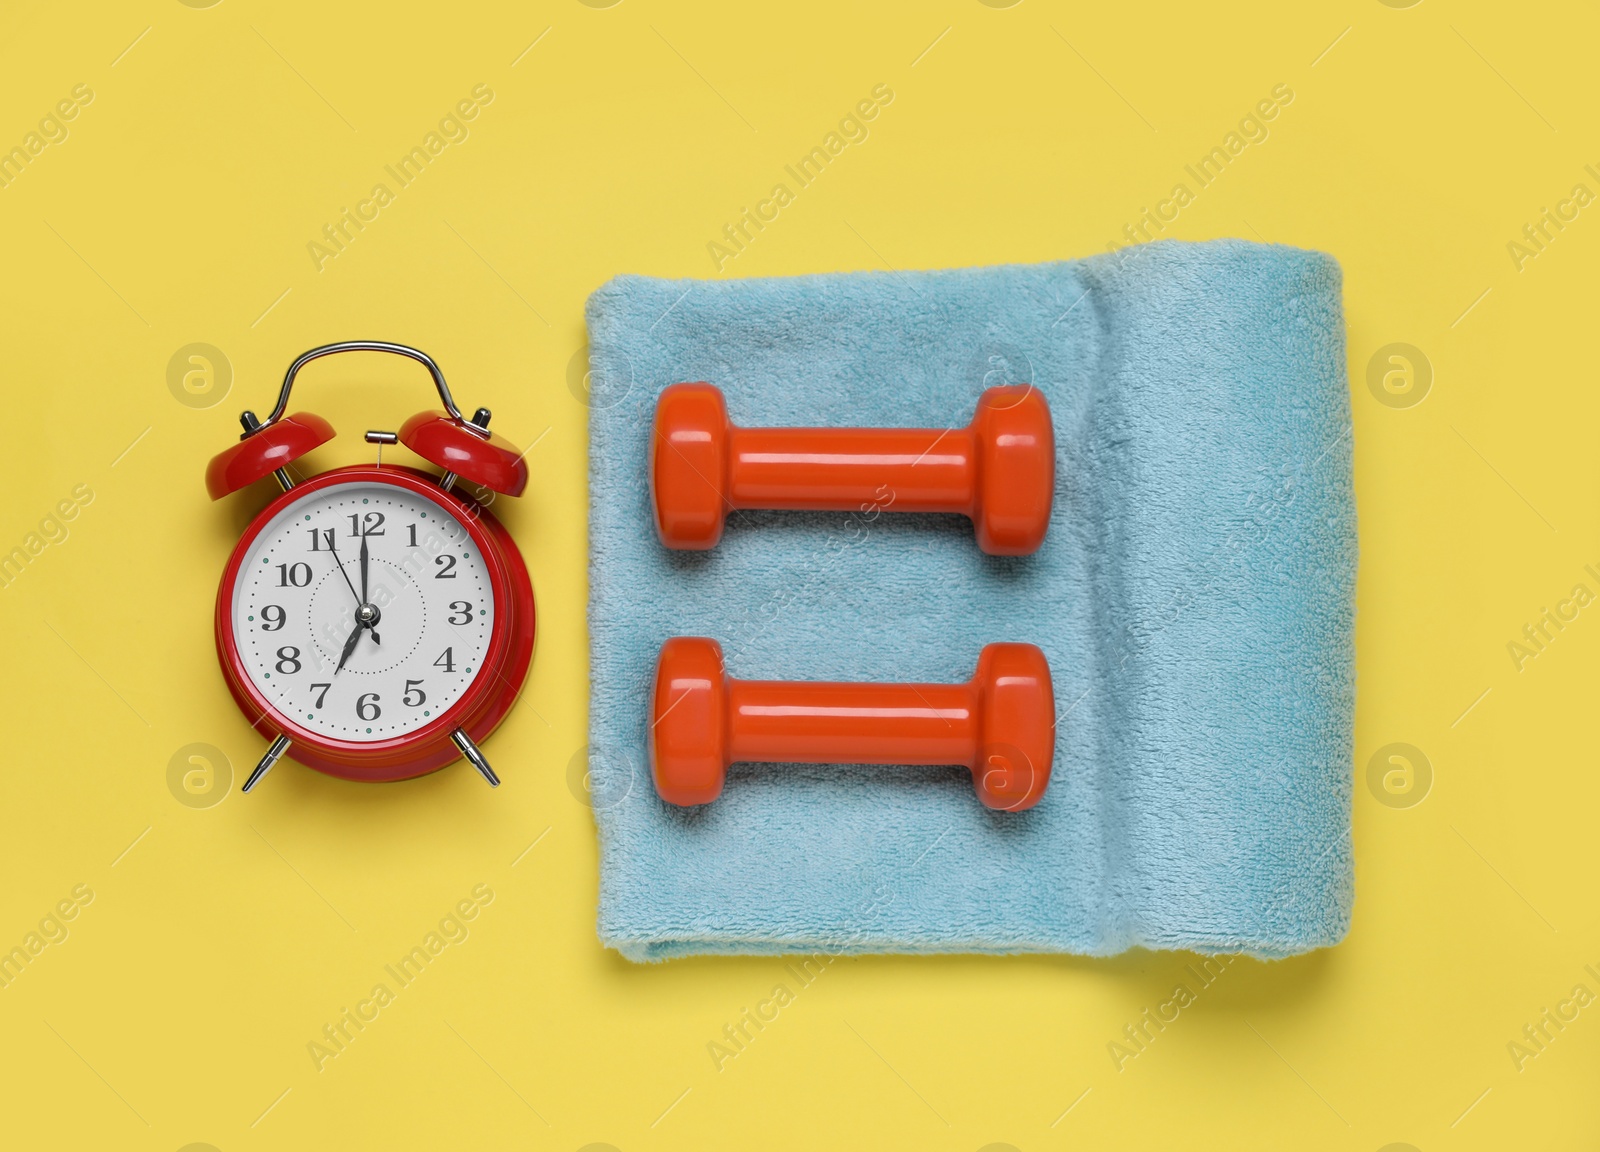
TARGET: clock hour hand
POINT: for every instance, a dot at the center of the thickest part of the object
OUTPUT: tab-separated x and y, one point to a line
349	647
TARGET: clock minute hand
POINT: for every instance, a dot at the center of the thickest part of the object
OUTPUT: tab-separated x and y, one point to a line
360	612
339	564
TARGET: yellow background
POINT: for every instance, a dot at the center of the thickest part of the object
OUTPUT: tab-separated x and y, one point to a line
221	940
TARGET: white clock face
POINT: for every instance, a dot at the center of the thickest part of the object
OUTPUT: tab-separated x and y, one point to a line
299	592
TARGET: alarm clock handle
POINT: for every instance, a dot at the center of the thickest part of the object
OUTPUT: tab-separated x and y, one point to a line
405	350
470	751
279	747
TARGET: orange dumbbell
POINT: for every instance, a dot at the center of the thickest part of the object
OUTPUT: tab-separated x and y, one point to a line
1000	724
999	470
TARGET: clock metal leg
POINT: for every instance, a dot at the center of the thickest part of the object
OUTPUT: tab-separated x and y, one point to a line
470	751
279	747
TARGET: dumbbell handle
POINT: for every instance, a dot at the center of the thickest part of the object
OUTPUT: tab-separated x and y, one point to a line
845	469
811	722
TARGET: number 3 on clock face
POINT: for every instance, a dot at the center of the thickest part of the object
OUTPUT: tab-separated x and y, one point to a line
368	614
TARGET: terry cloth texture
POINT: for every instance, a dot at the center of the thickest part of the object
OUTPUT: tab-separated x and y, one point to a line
1194	598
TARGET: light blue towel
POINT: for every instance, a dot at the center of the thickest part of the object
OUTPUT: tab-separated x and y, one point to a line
1194	597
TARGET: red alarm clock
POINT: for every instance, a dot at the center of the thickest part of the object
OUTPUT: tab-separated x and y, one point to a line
372	622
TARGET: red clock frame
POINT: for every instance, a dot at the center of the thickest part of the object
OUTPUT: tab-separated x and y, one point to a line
481	708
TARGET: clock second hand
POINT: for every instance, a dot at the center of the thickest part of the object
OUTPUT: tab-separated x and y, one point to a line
340	565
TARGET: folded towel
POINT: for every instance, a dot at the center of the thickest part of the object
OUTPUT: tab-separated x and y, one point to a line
1194	598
